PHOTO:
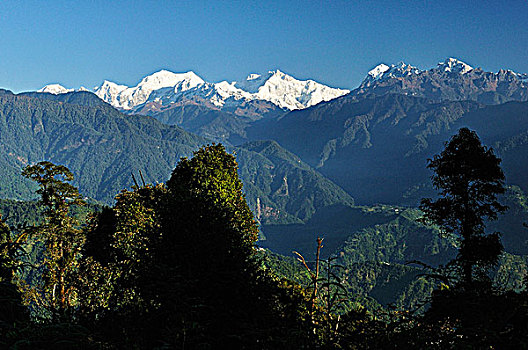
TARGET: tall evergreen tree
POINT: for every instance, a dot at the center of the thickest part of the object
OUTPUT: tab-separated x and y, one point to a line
469	179
468	313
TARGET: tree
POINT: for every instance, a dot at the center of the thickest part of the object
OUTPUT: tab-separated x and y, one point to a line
209	213
212	233
469	178
175	266
61	238
13	315
467	313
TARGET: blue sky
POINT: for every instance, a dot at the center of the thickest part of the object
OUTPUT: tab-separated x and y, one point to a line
335	42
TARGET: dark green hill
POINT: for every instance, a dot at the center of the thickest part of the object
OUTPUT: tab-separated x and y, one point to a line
280	188
82	98
376	147
101	146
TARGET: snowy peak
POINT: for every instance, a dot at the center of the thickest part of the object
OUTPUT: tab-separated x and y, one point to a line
110	92
453	65
126	98
287	92
383	72
164	78
378	71
55	89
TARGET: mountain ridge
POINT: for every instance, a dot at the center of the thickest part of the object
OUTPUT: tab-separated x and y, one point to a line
451	79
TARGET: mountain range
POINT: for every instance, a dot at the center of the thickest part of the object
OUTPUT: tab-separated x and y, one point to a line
451	79
308	154
104	147
224	111
360	138
162	89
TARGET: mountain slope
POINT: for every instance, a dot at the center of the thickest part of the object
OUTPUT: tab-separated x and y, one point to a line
101	146
372	147
279	186
226	124
376	147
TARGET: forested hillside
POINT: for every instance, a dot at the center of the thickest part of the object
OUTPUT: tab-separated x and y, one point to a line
375	147
105	148
98	143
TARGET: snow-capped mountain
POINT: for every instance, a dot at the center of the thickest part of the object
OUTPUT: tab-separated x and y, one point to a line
126	98
276	87
287	92
451	79
55	89
401	70
164	88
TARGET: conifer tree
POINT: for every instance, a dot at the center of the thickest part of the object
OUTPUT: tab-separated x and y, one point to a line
469	179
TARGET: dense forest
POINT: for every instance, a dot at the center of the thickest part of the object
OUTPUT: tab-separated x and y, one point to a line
177	265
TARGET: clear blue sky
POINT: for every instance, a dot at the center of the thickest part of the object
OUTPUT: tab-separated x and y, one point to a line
336	42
